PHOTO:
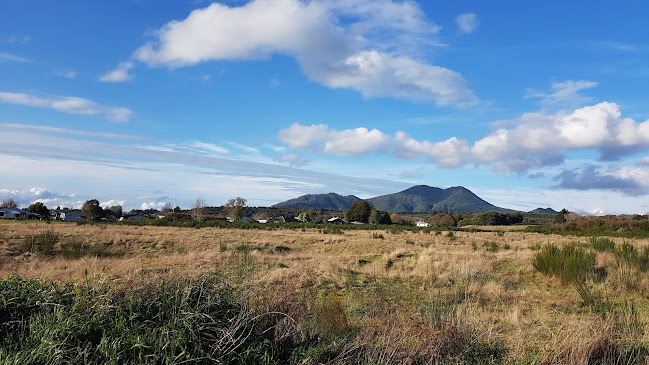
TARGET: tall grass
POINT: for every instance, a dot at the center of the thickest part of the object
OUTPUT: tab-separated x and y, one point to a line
567	262
192	320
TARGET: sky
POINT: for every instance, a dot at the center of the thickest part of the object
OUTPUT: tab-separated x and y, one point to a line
142	102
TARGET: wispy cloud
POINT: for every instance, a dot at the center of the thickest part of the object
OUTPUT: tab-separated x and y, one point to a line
117	171
565	94
14	38
409	174
66	74
68	104
293	160
118	74
14	58
336	53
467	23
71	132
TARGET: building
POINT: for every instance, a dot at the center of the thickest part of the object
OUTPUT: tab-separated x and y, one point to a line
133	217
422	224
336	220
14	213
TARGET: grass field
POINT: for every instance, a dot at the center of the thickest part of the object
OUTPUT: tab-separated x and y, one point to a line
145	294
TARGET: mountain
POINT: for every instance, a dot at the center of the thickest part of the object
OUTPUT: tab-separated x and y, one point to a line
417	199
331	201
544	211
423	199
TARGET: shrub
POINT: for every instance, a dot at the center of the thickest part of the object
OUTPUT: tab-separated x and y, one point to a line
74	249
377	236
568	262
602	244
43	242
491	246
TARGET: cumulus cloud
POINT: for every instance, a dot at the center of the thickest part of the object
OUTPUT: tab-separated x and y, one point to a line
467	23
541	140
25	197
536	140
68	104
566	93
335	42
362	141
119	74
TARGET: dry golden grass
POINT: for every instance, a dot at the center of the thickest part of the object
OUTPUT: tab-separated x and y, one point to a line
500	296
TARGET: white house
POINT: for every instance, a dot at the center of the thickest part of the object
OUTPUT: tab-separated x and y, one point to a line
13	213
422	224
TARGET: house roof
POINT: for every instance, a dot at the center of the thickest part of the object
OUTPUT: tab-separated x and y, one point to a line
16	210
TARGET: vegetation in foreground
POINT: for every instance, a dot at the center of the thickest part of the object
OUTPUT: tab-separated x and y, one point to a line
143	294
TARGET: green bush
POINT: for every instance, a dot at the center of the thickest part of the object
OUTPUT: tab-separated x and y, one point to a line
602	244
568	262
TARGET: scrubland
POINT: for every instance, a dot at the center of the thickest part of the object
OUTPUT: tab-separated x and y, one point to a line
145	294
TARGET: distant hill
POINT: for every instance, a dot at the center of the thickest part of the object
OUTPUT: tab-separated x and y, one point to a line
423	199
544	211
331	201
417	199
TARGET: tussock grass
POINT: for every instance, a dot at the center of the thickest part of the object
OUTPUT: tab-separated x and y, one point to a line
440	301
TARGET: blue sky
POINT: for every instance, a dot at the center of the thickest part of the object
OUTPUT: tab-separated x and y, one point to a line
142	102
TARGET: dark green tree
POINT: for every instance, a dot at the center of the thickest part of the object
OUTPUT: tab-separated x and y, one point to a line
115	210
359	211
91	209
38	208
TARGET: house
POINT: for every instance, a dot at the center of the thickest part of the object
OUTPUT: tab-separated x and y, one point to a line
285	219
14	213
336	220
133	217
422	224
68	215
262	221
356	222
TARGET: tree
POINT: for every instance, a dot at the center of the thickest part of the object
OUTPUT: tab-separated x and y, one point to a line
359	211
9	203
235	207
116	210
442	220
199	210
91	209
303	217
375	217
39	208
177	209
166	208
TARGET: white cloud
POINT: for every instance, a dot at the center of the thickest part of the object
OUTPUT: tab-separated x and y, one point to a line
119	74
68	104
361	141
467	23
302	136
337	52
14	39
565	93
210	147
535	141
25	197
14	58
353	142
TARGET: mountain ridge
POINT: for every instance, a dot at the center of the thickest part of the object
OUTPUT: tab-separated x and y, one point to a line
416	199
